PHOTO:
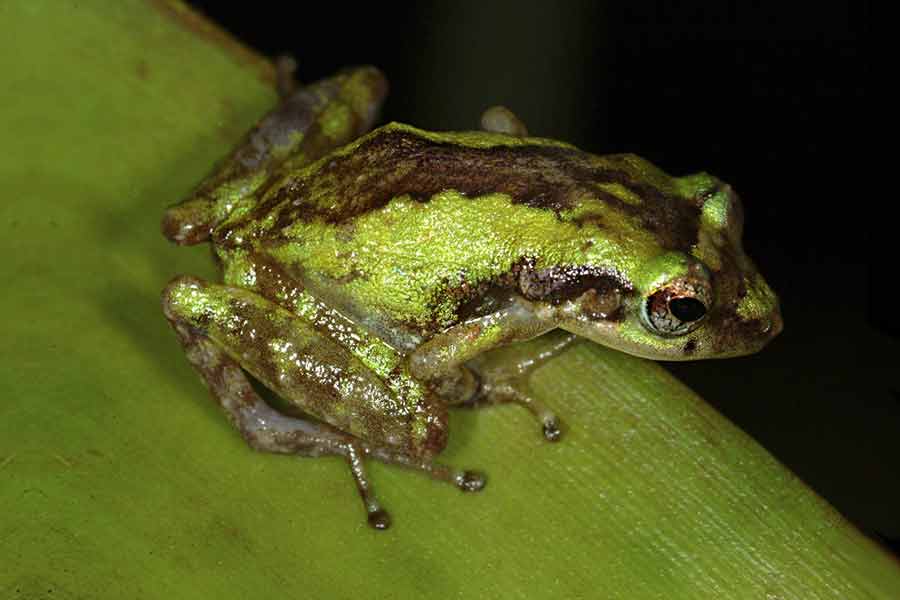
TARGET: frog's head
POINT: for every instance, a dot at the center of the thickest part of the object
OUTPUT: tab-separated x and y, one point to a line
704	299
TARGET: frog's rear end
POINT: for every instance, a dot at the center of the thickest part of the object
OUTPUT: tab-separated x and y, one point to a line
308	123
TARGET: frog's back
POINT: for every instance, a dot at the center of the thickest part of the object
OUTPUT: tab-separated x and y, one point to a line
399	160
413	228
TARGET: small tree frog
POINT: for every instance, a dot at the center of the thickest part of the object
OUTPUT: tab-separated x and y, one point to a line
365	271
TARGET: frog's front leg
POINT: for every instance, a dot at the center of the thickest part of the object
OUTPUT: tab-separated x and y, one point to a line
506	381
452	359
227	330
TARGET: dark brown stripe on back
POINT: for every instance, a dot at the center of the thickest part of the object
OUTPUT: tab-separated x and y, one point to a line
397	163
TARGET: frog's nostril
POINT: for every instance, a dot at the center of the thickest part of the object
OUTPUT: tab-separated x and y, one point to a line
773	326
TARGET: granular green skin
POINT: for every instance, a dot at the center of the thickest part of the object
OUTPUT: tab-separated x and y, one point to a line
372	351
329	113
405	259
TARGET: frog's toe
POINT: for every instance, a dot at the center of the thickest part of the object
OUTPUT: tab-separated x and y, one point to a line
552	432
470	481
500	391
379	519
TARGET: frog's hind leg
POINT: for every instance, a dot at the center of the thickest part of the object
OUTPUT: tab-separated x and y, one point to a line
263	427
309	122
268	430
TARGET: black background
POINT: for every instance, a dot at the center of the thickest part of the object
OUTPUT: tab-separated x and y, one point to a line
772	99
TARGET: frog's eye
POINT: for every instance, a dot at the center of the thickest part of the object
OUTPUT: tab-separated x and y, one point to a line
677	308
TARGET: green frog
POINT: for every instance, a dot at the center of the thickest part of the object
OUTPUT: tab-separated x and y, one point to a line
366	271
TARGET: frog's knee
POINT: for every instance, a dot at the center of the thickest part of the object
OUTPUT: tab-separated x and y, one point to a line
180	295
190	222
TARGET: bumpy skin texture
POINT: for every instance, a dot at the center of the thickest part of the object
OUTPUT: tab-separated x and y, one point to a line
361	274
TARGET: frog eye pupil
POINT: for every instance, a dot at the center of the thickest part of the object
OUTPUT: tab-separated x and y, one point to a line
687	309
676	309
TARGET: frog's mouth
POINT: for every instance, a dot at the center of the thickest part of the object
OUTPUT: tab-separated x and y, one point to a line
720	336
728	334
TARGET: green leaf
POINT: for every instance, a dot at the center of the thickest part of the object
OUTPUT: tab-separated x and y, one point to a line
119	478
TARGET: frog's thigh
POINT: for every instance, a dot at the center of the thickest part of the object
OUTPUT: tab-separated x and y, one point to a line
262	427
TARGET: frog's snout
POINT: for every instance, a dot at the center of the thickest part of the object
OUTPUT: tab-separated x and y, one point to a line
769	327
773	326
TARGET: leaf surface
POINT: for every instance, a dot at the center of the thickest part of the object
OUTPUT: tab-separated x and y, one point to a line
119	477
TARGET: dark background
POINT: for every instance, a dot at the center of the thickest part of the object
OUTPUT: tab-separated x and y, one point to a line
771	99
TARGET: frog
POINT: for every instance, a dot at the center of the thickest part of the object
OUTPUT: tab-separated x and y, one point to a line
366	271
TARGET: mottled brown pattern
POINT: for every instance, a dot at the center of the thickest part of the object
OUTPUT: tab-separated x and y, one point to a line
560	283
437	433
555	285
486	298
396	162
728	281
274	283
295	115
288	136
733	331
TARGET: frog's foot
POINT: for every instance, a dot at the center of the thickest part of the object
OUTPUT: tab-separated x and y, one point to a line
498	390
266	429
